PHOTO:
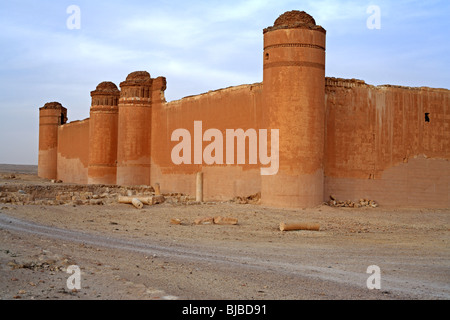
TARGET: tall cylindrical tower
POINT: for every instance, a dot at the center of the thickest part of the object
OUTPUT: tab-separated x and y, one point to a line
103	132
294	103
51	115
133	153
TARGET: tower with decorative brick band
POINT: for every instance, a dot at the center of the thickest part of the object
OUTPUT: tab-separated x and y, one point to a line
103	132
294	103
51	115
134	135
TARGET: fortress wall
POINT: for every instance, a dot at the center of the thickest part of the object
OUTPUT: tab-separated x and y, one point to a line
336	136
230	108
73	152
379	145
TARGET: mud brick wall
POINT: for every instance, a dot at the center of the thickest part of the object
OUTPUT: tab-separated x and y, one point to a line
73	152
339	137
231	108
387	143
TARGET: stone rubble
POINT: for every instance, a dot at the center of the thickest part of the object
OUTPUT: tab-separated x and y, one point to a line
59	194
252	199
333	202
94	195
216	220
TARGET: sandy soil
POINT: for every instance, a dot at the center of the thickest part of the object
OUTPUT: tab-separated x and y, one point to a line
126	253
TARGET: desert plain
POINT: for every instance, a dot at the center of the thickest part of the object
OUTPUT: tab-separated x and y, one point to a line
160	253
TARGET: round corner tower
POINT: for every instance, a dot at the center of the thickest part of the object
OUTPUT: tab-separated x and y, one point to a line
294	103
51	116
103	132
135	115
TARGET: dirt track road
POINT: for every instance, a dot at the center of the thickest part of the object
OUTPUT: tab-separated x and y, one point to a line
186	270
125	253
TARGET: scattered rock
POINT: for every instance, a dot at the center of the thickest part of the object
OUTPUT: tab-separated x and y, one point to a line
299	226
225	220
253	199
14	265
96	202
216	220
49	265
175	221
157	199
203	221
333	202
137	203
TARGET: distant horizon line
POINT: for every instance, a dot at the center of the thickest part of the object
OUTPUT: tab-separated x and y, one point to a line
17	164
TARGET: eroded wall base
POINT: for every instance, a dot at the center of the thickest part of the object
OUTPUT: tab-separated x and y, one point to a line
287	191
133	175
102	175
219	183
421	182
46	168
73	152
72	170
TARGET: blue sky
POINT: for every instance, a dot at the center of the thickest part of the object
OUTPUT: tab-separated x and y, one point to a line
198	46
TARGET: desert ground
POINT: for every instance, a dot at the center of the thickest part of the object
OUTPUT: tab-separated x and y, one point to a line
128	253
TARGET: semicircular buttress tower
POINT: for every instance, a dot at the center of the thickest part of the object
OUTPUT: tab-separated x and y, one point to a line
294	103
51	116
103	132
134	137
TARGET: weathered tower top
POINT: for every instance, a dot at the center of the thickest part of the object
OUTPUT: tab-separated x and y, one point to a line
295	20
54	109
106	94
106	87
139	82
138	76
53	105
